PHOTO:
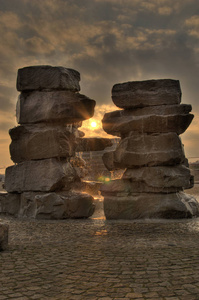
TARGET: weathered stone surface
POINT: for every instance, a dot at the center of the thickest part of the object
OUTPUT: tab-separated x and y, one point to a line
3	237
47	77
30	142
125	187
39	175
149	205
28	204
56	205
108	160
9	203
119	123
53	106
79	165
146	93
162	177
181	109
149	150
93	144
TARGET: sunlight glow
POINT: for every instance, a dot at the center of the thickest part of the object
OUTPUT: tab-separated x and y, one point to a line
93	124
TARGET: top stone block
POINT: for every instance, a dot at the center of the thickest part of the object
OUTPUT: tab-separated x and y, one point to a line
47	77
146	93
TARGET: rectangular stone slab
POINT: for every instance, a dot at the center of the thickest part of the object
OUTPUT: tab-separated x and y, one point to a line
32	142
9	203
47	77
119	123
161	176
161	179
145	205
53	106
149	150
146	93
124	188
56	205
39	175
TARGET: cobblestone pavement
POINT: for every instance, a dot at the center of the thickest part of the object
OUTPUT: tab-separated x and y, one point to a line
99	259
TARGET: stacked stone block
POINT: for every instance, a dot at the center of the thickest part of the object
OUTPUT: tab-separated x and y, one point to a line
150	151
49	111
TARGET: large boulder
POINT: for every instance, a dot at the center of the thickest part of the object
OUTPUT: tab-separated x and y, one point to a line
149	205
47	77
56	205
161	179
146	93
53	106
3	237
93	144
149	150
119	123
31	142
9	204
39	175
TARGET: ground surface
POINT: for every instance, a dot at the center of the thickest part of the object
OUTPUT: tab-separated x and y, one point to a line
99	259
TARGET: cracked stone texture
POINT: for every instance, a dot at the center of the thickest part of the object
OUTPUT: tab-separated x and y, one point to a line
161	177
39	175
60	205
47	77
96	259
134	94
120	122
150	205
41	141
140	150
54	107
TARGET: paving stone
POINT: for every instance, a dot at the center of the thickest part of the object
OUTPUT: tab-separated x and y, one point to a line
99	259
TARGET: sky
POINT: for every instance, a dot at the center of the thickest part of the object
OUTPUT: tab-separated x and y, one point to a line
108	42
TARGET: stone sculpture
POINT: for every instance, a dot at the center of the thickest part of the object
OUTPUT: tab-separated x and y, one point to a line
50	110
151	151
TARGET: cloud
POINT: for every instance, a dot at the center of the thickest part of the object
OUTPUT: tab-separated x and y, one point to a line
9	20
107	41
193	26
193	21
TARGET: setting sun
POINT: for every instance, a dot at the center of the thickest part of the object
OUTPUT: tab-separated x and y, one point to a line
93	124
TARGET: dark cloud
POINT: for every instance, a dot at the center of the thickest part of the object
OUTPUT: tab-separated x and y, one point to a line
107	41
